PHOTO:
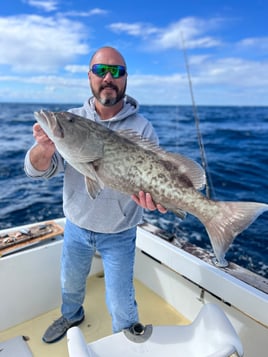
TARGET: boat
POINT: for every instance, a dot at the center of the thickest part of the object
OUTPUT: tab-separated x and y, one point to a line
186	302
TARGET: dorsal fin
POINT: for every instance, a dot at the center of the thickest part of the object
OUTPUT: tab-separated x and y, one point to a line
188	167
139	140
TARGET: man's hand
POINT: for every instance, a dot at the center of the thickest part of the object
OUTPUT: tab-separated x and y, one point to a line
41	154
42	139
145	201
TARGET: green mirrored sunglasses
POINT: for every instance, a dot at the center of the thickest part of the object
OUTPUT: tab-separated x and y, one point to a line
101	70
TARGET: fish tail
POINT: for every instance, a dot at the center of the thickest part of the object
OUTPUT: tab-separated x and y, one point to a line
232	219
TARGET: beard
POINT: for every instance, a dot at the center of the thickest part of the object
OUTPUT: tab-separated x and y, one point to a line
108	100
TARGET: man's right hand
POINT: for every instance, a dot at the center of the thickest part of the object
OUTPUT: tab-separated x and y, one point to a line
41	154
42	138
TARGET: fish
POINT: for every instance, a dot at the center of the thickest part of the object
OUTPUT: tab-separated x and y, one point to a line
126	162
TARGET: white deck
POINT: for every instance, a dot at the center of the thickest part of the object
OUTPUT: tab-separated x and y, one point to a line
97	323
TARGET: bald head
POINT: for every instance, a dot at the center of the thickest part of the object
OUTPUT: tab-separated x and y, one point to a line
108	55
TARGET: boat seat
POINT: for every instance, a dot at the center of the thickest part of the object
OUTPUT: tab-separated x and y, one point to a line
211	334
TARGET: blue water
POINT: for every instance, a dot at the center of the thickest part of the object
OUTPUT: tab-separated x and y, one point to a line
235	141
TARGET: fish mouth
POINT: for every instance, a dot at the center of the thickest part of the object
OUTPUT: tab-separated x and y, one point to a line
49	122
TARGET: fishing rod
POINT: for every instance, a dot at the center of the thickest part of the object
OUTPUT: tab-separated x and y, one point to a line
209	184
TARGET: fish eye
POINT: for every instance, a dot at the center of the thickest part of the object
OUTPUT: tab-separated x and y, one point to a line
70	118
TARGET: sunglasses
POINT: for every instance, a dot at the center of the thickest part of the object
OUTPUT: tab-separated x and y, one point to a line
101	70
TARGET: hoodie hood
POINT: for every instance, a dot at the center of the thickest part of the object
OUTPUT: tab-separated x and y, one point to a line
131	107
120	121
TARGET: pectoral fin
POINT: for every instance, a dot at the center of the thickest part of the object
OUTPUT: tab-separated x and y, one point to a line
93	183
93	187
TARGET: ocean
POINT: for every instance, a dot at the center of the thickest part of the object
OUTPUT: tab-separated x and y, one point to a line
235	142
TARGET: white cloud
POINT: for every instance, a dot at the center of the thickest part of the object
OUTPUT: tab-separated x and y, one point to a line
35	43
257	43
72	68
192	31
32	45
198	59
223	81
189	32
52	88
134	29
46	5
50	80
235	72
92	12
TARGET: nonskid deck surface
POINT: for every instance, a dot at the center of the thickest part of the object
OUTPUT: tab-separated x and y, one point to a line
152	310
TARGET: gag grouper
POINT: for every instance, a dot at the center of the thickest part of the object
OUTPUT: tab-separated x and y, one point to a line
125	162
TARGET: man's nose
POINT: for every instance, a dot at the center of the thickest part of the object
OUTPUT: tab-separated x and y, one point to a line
108	76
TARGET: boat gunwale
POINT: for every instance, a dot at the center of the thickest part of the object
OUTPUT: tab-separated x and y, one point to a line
244	297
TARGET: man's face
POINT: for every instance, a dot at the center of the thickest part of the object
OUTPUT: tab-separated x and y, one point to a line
108	90
104	84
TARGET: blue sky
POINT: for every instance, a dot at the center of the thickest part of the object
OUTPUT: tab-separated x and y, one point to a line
46	46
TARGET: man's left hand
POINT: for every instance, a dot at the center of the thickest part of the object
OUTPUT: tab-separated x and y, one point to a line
145	201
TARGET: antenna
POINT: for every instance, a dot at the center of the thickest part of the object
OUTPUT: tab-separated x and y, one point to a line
209	185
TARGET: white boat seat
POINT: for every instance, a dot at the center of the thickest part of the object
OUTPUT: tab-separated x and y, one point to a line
211	334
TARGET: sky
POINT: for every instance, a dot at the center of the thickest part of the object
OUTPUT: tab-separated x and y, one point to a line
46	45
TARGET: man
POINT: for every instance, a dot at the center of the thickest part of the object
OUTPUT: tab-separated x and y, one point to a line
107	223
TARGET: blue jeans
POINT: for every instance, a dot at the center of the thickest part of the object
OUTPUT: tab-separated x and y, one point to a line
118	253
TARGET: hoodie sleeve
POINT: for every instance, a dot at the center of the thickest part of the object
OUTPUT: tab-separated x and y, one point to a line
56	166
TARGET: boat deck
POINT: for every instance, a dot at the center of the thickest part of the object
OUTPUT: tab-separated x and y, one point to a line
152	310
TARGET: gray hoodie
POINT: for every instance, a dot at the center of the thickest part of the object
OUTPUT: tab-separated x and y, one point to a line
111	211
